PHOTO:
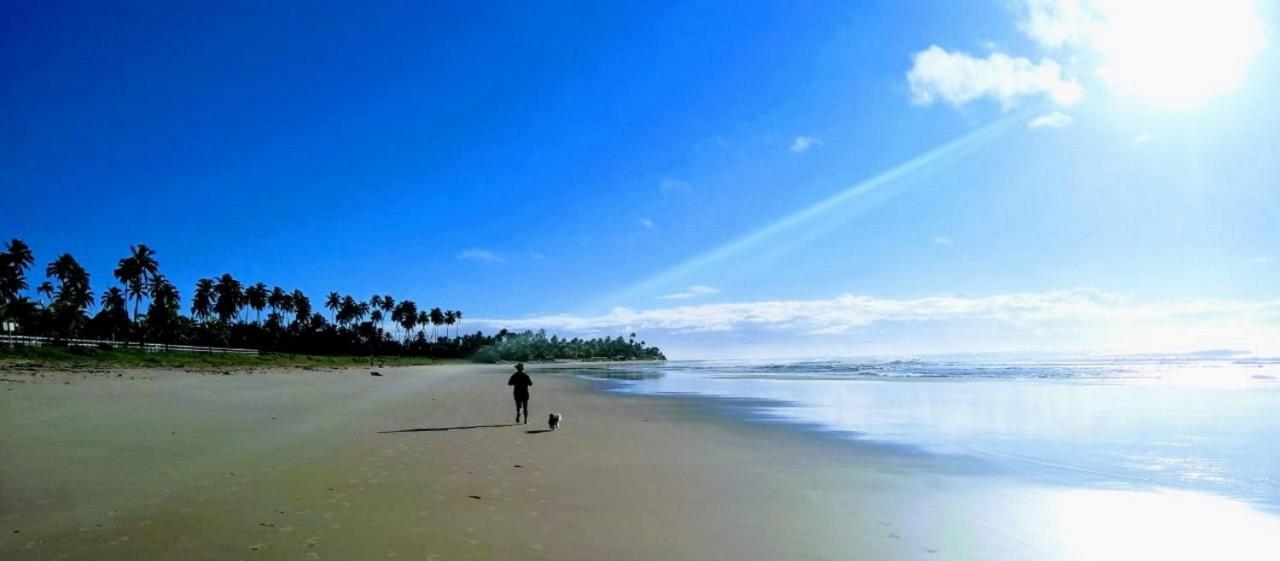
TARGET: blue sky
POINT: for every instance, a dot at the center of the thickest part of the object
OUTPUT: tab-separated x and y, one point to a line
728	179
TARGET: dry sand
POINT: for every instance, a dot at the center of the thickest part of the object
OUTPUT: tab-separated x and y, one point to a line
424	464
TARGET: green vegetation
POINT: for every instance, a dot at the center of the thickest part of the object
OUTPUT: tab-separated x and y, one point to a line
224	312
72	357
534	346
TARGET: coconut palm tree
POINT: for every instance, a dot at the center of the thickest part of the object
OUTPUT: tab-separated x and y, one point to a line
14	262
405	314
437	319
255	297
449	320
424	319
347	310
46	289
136	272
73	294
114	309
202	299
301	306
229	298
333	303
162	314
457	315
276	300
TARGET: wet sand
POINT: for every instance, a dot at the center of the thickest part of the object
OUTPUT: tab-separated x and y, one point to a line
424	463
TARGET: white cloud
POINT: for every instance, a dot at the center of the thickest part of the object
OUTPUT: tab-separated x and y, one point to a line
1054	23
647	223
692	292
959	78
943	240
804	143
481	255
1053	120
670	185
844	313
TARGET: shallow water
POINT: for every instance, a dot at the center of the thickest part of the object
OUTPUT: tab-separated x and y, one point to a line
1200	425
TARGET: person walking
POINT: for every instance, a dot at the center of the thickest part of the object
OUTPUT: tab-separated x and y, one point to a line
520	383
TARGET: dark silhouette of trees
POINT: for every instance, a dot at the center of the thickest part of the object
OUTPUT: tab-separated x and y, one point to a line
72	294
113	315
292	326
332	303
14	262
202	300
228	298
256	298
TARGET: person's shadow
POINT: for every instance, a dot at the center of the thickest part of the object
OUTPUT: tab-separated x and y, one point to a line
441	429
539	431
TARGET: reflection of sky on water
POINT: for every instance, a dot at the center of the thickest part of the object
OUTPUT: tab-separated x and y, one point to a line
1196	425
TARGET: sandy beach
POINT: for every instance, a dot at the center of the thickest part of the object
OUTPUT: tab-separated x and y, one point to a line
304	465
424	463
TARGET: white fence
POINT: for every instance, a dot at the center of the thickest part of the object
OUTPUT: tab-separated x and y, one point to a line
30	341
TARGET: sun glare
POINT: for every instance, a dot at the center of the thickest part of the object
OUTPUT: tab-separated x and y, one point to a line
1177	53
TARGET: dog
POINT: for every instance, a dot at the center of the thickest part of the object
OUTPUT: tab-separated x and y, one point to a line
553	421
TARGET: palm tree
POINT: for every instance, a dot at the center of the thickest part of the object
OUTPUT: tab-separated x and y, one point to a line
449	320
136	272
301	306
256	298
347	310
333	303
73	294
14	262
202	299
457	315
406	315
46	289
424	319
437	319
286	303
114	308
163	312
229	298
276	300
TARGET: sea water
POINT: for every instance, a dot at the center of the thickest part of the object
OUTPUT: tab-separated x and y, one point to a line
1197	424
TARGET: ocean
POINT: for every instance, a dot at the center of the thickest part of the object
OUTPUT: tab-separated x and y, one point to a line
1203	424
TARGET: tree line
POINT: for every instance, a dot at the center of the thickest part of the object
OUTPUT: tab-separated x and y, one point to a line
224	311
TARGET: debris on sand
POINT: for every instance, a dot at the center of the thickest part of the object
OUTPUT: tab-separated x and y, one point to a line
375	373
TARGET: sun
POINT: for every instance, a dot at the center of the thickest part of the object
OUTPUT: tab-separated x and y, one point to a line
1176	53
